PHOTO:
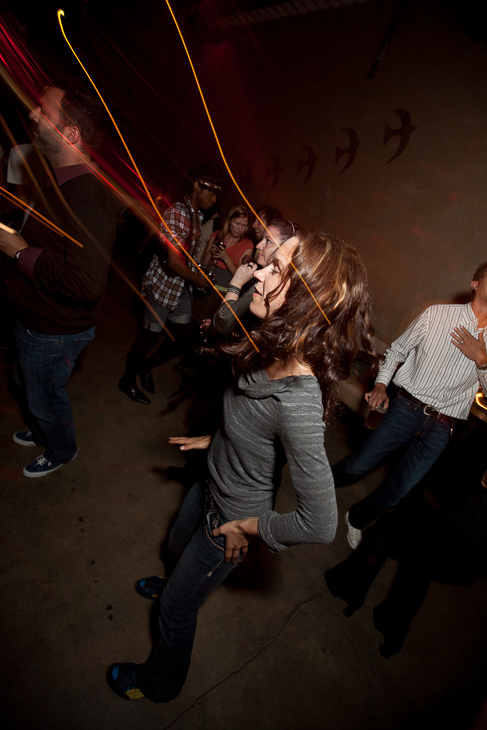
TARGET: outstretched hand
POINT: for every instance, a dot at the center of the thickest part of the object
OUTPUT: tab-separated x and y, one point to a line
186	443
237	534
472	347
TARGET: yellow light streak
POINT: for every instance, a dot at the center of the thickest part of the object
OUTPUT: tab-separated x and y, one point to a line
45	221
478	399
33	212
224	158
60	14
39	216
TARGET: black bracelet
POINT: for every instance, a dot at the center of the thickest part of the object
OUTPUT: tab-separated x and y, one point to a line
232	289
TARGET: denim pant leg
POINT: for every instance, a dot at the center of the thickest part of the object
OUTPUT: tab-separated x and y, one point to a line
429	441
399	424
182	313
199	570
189	517
46	363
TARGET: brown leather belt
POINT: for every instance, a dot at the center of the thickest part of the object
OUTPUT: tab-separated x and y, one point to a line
430	411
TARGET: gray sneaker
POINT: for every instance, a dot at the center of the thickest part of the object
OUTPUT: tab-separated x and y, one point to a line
354	535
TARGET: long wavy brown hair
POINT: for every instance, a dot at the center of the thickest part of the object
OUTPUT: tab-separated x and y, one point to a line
325	331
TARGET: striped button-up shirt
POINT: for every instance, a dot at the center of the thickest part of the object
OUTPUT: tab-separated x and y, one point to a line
433	369
184	224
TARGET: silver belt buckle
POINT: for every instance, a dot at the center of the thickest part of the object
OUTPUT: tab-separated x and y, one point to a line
427	412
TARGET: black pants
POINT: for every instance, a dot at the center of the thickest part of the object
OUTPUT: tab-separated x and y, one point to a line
138	359
448	544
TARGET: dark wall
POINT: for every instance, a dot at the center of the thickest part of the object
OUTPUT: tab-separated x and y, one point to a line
413	198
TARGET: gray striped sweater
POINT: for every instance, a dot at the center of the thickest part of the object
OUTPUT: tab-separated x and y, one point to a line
265	423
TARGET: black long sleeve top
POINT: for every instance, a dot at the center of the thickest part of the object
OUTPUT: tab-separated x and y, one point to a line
57	285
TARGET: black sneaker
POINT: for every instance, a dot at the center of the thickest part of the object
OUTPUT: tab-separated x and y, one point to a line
122	678
151	587
24	438
41	466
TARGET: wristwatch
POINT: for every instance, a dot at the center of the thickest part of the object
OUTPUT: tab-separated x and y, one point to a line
482	367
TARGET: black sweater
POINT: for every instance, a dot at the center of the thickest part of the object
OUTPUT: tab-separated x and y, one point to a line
56	286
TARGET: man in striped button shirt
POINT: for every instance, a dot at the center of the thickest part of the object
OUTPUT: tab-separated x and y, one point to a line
443	359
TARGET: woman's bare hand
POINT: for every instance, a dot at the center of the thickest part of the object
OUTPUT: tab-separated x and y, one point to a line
243	274
217	250
222	256
237	534
187	443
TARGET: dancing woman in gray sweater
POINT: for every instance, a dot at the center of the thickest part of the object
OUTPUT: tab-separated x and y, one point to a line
313	304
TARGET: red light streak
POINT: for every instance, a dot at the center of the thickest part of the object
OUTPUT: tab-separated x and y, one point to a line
19	61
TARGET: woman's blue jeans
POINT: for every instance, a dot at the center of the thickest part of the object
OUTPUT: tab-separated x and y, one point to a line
45	366
199	569
404	423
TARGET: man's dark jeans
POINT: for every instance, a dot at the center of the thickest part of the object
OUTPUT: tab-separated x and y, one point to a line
404	423
45	366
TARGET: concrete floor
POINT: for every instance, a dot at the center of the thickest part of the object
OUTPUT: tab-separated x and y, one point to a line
273	649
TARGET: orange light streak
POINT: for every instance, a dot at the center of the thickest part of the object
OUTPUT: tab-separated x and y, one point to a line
60	14
478	398
39	216
49	224
224	158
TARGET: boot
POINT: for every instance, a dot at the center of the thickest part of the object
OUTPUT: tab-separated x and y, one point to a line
129	387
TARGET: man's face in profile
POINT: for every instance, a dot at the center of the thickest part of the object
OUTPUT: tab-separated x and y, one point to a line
47	122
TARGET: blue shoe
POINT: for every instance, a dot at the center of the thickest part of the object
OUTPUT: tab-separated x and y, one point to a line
41	466
151	587
24	438
122	678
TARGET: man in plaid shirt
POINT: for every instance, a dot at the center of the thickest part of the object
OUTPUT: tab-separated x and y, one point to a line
168	283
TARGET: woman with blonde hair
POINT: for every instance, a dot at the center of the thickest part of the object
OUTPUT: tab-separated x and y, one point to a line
229	248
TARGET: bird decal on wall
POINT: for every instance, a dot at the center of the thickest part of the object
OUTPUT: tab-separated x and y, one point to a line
351	150
404	132
310	162
274	172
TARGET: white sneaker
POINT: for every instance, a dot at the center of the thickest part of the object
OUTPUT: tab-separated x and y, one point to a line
354	536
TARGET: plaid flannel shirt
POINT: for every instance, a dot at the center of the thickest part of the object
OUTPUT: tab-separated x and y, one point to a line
183	224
